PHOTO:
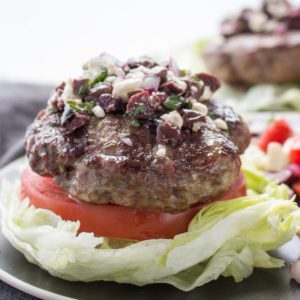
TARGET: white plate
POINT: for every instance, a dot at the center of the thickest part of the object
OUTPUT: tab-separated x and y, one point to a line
263	284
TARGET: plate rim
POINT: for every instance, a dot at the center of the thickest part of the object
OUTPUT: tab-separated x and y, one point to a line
29	288
16	282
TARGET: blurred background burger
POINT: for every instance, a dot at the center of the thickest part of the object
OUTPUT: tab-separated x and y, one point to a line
257	55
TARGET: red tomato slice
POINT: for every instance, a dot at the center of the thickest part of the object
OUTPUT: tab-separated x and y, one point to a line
278	131
112	220
292	145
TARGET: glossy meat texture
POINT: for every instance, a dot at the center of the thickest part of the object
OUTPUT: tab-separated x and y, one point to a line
109	161
138	134
253	59
238	130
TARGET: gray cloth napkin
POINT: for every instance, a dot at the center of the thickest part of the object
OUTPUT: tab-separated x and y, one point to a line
19	103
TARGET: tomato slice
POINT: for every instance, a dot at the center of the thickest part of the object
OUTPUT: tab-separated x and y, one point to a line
112	220
292	146
278	131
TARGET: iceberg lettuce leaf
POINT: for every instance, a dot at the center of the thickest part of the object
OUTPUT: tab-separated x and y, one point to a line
226	238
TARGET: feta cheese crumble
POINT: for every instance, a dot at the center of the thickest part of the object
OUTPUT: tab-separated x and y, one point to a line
98	111
173	118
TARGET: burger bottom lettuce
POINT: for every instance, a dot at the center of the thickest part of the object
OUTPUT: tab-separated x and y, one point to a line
227	238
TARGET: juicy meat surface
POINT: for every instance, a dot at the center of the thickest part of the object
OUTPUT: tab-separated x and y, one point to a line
138	134
255	58
109	161
238	131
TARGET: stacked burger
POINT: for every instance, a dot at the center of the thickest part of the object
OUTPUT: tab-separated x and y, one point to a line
135	176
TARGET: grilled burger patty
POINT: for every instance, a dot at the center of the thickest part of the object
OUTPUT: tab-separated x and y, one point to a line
160	157
254	59
258	45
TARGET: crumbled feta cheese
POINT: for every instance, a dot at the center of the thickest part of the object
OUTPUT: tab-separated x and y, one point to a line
96	64
207	93
142	69
151	82
171	77
127	141
255	156
111	79
257	21
271	25
156	70
68	91
161	151
221	124
122	88
194	89
210	122
135	74
98	111
197	106
277	158
182	84
173	118
196	126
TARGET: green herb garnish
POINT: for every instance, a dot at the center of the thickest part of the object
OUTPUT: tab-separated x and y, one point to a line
183	73
195	78
174	102
135	123
86	106
225	130
212	116
138	110
83	88
100	78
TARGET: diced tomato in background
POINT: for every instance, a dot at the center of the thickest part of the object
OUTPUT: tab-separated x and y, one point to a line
278	131
296	188
292	146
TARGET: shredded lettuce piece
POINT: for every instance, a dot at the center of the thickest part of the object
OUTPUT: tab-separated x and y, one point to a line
263	97
226	238
253	166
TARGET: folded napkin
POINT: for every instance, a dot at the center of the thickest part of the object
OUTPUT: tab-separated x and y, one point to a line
19	103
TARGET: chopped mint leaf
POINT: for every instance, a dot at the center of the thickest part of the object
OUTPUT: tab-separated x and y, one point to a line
86	106
136	111
135	123
72	104
100	78
83	88
183	73
174	102
225	130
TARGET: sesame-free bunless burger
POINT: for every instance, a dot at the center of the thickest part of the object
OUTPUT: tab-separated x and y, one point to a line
139	134
135	176
258	46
